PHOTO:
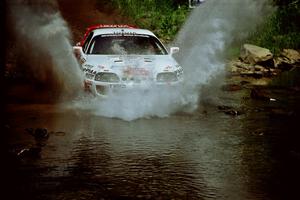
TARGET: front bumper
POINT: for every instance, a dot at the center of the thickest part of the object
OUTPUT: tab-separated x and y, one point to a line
103	88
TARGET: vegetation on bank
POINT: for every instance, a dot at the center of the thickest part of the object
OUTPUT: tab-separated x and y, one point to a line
282	29
163	17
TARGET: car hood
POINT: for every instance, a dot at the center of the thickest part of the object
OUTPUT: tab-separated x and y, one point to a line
143	65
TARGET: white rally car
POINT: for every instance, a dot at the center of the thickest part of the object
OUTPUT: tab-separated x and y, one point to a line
115	57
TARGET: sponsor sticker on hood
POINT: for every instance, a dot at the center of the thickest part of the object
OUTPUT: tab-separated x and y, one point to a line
135	71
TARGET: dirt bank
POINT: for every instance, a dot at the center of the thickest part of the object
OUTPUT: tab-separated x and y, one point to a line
82	14
30	74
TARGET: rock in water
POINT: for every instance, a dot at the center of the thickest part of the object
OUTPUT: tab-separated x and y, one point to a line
259	94
32	152
292	55
41	133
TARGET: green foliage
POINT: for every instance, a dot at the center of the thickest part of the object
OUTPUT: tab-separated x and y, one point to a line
282	29
163	17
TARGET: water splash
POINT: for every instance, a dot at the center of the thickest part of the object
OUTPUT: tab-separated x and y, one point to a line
209	31
44	38
135	103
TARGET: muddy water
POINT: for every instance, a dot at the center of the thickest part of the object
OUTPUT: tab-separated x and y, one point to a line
202	155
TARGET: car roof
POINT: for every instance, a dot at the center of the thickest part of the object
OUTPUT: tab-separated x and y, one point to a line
114	28
120	31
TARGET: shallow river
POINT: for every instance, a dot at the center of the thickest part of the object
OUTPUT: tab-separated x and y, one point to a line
202	155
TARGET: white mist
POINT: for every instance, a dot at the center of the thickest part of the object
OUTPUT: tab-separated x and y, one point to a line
210	29
204	39
44	37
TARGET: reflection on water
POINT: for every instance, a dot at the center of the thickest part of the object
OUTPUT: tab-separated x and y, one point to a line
204	155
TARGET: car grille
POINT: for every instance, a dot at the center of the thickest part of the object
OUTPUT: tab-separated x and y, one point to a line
166	77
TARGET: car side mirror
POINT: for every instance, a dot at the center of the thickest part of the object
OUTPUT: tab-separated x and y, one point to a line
174	50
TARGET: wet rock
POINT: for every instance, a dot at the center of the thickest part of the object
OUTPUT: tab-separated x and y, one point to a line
260	94
237	66
231	87
38	133
260	82
283	63
254	54
233	112
259	68
243	82
41	133
262	70
258	74
274	72
247	73
32	152
267	64
229	110
234	69
292	55
256	70
258	132
224	108
60	133
287	60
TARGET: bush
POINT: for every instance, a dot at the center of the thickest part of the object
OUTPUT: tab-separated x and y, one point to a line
282	29
163	17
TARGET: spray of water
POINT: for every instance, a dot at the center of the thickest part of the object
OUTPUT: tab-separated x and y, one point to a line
136	103
209	31
45	39
204	39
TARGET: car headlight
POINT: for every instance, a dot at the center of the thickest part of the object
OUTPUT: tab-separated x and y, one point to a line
166	77
88	66
89	76
107	77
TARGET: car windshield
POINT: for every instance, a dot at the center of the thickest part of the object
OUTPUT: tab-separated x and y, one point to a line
126	45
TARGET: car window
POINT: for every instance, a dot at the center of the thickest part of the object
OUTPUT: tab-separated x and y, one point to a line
85	45
126	45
